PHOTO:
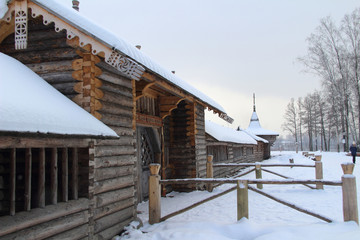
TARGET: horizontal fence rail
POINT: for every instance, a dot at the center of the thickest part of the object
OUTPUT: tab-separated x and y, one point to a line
250	181
348	184
261	164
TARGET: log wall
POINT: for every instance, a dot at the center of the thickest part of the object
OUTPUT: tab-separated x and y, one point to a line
226	152
181	152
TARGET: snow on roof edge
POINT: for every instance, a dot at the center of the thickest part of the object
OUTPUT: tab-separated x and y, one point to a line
76	19
42	108
225	134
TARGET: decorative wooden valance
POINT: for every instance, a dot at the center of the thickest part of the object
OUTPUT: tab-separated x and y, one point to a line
112	56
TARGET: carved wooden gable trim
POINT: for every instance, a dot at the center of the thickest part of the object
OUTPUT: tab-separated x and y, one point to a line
112	56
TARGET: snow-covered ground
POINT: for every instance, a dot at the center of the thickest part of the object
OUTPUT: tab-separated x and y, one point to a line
216	220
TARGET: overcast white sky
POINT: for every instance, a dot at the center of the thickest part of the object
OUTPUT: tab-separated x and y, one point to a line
228	49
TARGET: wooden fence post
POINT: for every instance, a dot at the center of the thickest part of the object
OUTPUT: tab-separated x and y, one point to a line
209	172
319	173
258	175
242	200
291	160
350	207
154	194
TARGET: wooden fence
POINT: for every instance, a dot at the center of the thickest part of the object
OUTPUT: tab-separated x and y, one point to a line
348	183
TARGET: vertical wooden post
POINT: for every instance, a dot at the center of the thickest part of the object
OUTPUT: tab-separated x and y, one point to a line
242	200
319	174
41	180
54	176
12	181
74	174
65	174
350	207
154	194
291	160
28	163
258	175
209	172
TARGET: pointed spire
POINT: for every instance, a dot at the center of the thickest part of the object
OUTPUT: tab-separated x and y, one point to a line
254	102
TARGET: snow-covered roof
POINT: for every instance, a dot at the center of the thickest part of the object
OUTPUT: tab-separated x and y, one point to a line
257	138
76	19
29	104
255	127
225	134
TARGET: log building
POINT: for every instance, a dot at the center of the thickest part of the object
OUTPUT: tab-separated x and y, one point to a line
86	185
156	116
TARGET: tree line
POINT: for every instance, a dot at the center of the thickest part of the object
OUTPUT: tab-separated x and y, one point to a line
329	118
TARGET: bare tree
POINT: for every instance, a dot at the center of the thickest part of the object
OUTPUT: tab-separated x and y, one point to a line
290	124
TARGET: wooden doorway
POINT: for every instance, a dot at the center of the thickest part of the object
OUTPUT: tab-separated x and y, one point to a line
148	152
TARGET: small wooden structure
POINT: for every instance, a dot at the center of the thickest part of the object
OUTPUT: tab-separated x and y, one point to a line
256	129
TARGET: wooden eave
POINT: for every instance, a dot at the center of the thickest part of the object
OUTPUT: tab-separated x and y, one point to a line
27	139
114	57
175	90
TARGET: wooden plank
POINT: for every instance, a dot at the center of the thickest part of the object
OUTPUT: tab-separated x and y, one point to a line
109	220
41	180
102	151
48	229
250	181
197	204
23	220
45	67
114	230
12	181
75	233
74	173
113	207
113	172
113	196
114	161
54	176
114	184
64	175
242	200
293	206
28	166
26	142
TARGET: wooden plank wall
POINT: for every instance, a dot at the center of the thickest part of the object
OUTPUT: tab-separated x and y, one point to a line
212	145
115	160
181	152
200	141
112	162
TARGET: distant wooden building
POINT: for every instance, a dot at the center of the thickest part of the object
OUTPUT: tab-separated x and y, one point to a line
228	145
256	129
157	116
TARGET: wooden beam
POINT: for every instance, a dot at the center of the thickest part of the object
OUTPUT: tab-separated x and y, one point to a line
12	181
41	180
28	164
37	142
65	174
37	216
74	173
293	206
54	176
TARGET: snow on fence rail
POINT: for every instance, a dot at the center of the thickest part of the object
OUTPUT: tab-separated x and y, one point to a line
348	183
